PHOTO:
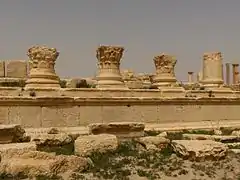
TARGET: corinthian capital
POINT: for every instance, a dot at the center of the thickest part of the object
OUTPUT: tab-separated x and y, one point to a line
42	53
212	56
165	63
109	54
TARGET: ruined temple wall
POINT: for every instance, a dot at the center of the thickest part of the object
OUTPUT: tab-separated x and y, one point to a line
66	111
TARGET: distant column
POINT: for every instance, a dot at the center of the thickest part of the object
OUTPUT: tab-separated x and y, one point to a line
227	65
165	75
42	72
212	69
235	73
109	75
190	77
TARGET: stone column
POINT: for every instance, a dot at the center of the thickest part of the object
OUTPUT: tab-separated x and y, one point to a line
199	77
165	75
212	69
190	77
109	75
42	73
235	73
227	65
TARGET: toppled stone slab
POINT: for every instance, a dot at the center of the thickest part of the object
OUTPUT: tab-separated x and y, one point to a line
120	129
34	163
102	143
197	137
223	139
59	143
9	150
199	150
153	142
226	139
11	133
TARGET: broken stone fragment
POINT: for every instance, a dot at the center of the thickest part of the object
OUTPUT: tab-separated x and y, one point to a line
53	131
52	139
199	150
11	133
120	129
102	143
59	143
153	142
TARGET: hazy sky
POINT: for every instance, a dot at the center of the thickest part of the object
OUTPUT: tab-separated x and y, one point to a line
184	28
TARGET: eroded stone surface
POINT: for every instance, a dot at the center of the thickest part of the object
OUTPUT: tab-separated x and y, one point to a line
15	149
86	145
36	163
200	150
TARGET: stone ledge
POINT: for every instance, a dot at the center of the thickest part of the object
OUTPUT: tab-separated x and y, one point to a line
117	101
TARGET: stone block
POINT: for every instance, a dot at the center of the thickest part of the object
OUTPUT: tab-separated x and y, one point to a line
16	149
120	129
200	150
16	69
86	145
11	134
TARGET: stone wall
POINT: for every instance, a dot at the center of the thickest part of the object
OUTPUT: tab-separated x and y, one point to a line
91	106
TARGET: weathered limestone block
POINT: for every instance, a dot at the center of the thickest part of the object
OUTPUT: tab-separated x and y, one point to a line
2	68
200	150
154	142
134	84
11	133
14	149
120	129
109	75
16	68
36	163
42	72
59	143
145	79
76	83
86	145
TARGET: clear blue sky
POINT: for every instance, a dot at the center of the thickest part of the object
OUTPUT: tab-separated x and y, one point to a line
184	28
